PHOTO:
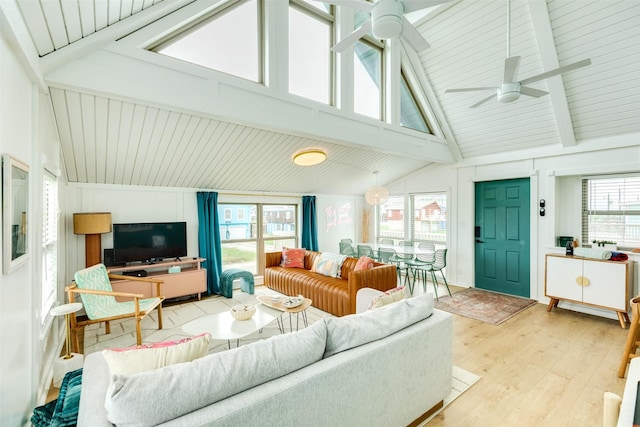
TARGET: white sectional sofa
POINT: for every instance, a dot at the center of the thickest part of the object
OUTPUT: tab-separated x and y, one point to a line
391	366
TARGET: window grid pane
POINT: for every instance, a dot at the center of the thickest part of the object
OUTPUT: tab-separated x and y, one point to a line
611	210
309	55
367	80
391	219
227	42
49	244
411	115
429	221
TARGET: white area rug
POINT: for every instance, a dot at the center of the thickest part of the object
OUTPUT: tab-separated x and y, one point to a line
175	315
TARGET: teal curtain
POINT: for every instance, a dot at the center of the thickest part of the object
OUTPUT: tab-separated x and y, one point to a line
309	223
209	239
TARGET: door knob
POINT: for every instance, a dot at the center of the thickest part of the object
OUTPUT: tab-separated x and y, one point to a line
479	241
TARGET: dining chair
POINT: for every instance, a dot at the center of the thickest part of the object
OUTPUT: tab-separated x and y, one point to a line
387	255
347	240
367	250
386	242
424	255
438	264
347	249
93	284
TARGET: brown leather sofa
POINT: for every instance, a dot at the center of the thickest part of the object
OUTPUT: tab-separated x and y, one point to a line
335	296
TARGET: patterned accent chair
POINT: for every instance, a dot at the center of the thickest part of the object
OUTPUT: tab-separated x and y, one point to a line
99	300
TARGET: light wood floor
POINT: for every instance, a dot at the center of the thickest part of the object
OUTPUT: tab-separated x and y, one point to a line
537	369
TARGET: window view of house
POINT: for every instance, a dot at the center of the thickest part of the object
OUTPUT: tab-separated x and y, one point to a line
246	235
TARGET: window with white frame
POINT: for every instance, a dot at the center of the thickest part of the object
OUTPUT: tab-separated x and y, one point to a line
429	219
310	38
49	243
367	79
390	223
611	210
411	115
229	41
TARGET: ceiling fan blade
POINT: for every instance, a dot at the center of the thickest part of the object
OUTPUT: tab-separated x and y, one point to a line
482	101
353	37
412	36
557	71
511	66
469	89
529	91
356	4
413	5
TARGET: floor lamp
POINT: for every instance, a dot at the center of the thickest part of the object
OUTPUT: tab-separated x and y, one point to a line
70	361
92	225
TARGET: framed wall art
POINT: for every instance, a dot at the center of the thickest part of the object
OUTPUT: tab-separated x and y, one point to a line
15	209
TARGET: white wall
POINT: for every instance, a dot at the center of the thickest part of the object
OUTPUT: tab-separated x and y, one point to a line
28	347
555	178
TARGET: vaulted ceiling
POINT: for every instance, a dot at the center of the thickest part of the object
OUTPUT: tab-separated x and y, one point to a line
124	118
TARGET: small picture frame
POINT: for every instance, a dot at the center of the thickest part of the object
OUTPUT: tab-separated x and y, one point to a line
15	211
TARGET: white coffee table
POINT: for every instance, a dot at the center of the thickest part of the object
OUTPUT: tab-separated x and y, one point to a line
223	326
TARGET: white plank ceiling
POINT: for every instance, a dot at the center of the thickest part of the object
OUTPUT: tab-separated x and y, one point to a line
107	139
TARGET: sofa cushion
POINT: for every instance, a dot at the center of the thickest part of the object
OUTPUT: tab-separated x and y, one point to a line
329	264
293	257
154	397
392	295
145	357
364	263
354	330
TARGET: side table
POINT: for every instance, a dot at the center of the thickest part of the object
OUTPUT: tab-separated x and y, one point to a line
70	361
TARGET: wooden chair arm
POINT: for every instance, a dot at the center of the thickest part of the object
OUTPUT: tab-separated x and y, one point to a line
77	290
135	278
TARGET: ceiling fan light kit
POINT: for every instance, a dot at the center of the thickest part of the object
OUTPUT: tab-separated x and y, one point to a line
387	19
508	92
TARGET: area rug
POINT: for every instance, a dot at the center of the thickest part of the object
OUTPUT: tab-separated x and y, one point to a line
486	306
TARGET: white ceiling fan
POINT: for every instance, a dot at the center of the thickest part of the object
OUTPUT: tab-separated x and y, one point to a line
387	21
510	89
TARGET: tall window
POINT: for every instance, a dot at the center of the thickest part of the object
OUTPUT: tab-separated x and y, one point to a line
611	210
249	230
411	115
230	41
367	79
429	219
391	216
49	243
310	38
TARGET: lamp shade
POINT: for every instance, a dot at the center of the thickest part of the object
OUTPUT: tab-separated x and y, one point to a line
376	195
92	223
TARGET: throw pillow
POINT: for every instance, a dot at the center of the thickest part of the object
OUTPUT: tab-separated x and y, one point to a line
364	263
354	330
131	360
67	404
151	398
392	295
329	264
293	257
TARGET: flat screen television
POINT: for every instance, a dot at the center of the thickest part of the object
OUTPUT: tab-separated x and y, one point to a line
149	241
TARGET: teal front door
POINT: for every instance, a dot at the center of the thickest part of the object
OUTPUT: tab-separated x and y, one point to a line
502	236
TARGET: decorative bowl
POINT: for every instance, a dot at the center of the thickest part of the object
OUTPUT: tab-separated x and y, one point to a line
243	311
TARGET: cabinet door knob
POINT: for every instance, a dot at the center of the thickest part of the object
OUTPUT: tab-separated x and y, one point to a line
583	281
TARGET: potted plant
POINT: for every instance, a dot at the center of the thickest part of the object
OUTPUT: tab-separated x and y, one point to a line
606	244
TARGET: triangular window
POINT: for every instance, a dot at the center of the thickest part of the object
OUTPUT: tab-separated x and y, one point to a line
411	115
232	46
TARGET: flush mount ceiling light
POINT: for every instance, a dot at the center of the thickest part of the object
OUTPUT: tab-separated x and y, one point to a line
309	157
376	195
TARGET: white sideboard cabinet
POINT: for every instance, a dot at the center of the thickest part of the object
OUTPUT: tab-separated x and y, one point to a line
597	283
